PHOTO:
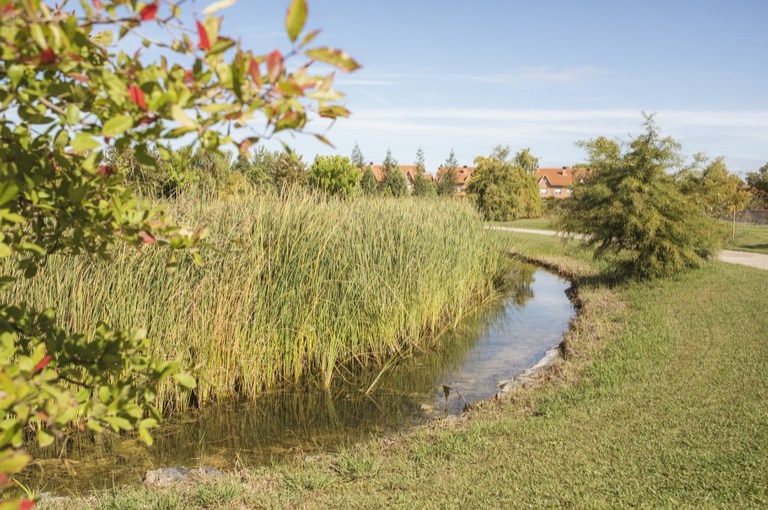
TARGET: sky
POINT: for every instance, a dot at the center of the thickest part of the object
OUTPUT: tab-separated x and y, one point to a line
543	74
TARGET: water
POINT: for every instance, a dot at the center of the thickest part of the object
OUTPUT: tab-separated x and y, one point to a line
493	345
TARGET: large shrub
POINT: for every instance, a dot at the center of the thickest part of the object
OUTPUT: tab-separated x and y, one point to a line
631	207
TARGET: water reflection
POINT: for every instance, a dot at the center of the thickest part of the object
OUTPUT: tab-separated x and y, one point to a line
505	339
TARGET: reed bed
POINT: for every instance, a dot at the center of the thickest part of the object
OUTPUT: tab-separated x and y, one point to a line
304	285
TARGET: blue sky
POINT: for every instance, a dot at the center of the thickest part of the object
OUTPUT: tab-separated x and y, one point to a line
540	74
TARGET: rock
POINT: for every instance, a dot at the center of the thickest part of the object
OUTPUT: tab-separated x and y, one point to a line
179	474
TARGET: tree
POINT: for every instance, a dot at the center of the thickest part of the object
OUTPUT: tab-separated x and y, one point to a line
525	160
287	171
631	207
758	181
419	163
334	175
368	184
394	184
502	190
357	159
447	178
423	187
67	95
714	188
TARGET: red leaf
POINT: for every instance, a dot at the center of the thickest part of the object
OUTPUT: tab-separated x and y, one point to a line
148	12
48	56
106	170
146	237
97	4
204	43
274	66
137	96
43	362
189	77
255	72
26	504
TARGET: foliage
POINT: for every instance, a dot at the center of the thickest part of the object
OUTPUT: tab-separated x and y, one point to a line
368	184
255	168
759	182
715	188
395	184
525	160
311	283
502	190
67	92
357	159
419	163
334	175
424	187
447	178
631	205
287	171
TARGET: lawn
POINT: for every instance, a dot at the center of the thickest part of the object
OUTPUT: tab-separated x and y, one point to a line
544	223
660	403
750	237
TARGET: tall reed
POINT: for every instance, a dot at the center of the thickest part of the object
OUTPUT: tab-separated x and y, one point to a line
304	286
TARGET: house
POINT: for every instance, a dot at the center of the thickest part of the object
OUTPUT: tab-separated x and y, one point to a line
557	182
409	171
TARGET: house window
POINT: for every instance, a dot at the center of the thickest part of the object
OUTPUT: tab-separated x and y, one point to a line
568	191
558	191
542	191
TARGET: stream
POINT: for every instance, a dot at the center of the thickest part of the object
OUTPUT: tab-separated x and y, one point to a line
498	342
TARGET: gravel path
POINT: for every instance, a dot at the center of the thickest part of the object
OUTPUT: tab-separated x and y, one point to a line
758	260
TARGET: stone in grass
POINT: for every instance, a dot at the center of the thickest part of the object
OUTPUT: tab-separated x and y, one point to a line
172	475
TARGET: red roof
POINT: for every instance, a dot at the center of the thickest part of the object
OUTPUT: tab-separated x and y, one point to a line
561	177
409	171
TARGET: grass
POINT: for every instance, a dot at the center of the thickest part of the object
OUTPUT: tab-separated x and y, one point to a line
306	285
749	237
660	403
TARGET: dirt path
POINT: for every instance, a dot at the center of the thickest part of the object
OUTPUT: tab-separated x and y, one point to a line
744	258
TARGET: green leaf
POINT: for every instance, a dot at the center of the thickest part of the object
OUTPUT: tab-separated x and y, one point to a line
117	125
44	438
340	59
179	115
295	18
185	380
84	142
5	250
8	191
73	114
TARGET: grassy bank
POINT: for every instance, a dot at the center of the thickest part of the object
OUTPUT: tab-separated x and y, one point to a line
306	285
661	403
749	237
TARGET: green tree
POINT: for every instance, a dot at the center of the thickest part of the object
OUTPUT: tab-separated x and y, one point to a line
631	207
419	162
758	181
67	94
395	183
368	184
502	190
254	168
357	159
447	178
287	171
525	160
334	175
423	187
717	190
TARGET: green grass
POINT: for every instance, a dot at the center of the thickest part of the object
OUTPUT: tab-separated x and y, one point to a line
749	237
660	404
306	285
